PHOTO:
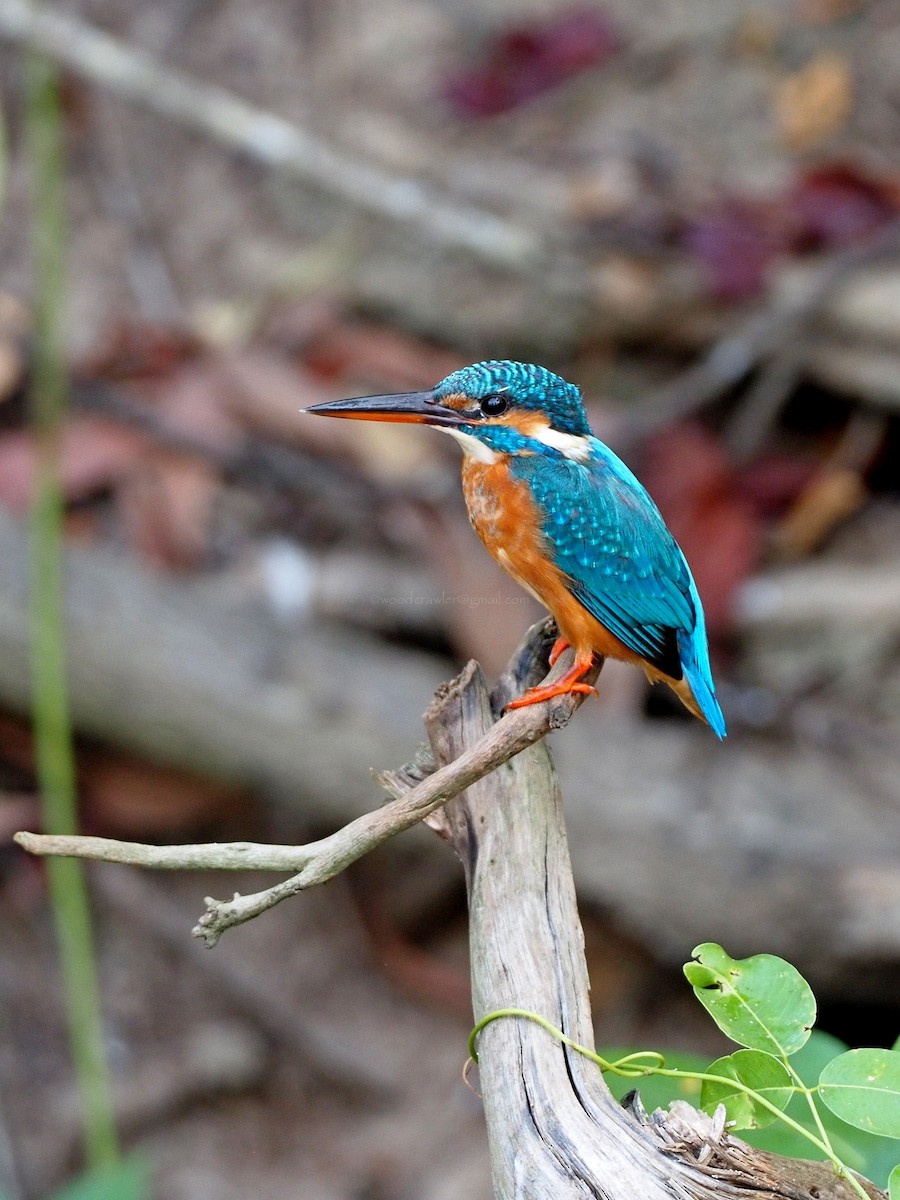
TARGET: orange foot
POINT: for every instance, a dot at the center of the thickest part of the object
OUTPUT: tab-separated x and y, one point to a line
570	682
558	647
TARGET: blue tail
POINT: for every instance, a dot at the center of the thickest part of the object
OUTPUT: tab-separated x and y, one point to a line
694	651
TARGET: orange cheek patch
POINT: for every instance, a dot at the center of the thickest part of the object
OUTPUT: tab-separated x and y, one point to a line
458	402
526	423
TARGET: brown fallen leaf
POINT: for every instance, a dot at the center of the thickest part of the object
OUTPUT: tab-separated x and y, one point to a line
829	499
168	502
95	454
126	796
757	34
814	102
266	392
837	490
379	357
167	509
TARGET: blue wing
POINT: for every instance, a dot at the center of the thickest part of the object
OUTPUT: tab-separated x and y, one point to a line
607	535
605	532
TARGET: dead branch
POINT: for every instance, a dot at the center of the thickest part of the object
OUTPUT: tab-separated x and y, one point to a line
868	371
205	677
267	138
317	862
865	305
762	403
757	339
827	594
554	1129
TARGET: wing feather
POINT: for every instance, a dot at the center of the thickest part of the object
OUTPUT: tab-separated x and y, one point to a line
607	535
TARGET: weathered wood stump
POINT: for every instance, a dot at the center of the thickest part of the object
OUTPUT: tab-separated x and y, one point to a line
555	1130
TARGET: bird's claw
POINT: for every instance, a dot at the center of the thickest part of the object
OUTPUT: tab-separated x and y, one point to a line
559	646
539	694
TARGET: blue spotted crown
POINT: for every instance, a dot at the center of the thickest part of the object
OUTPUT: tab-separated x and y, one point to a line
525	386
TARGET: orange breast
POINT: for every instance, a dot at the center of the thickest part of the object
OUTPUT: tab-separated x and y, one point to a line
507	520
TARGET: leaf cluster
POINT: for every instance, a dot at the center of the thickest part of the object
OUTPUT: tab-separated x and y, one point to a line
790	1088
808	1093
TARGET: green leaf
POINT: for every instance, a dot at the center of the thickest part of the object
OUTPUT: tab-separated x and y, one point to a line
862	1087
894	1184
129	1180
756	1069
761	1002
865	1153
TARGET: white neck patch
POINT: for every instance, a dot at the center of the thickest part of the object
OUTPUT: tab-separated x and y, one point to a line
570	445
471	445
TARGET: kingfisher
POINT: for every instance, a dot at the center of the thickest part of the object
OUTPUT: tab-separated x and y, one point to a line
563	515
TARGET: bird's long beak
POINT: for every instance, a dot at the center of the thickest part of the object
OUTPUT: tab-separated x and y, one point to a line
416	407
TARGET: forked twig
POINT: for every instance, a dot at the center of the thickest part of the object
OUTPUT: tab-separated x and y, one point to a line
317	862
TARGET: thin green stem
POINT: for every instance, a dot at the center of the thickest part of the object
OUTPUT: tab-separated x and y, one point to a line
625	1068
53	738
810	1100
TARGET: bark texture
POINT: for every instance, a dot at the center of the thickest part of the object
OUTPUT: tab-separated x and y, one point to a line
555	1130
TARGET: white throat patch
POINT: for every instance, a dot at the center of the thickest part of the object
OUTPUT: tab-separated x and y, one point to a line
471	445
570	445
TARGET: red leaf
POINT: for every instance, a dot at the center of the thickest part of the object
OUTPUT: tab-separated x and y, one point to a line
127	796
688	474
736	239
95	455
384	357
734	242
773	482
524	61
836	205
139	350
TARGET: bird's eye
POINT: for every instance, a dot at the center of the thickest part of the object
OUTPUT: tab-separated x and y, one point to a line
493	406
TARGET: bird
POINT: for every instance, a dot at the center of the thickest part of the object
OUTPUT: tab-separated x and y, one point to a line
569	521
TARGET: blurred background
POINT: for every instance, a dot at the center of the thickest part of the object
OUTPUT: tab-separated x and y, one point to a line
691	208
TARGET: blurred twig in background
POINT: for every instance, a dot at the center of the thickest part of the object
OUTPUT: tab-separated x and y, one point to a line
53	734
268	138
